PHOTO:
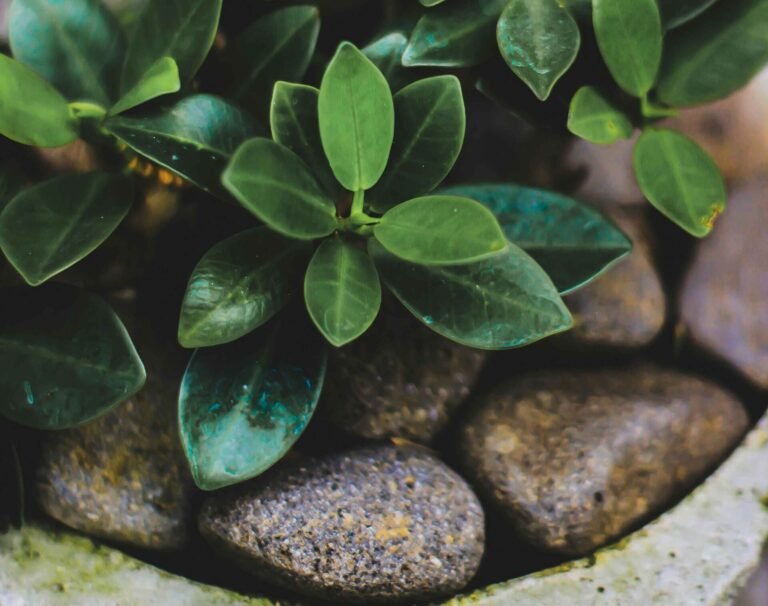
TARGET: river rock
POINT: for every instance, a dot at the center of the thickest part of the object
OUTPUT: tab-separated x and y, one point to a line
373	524
576	459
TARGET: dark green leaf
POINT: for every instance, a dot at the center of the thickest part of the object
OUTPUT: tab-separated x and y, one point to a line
676	12
162	78
243	405
51	226
11	183
502	302
387	54
342	291
680	180
66	357
357	118
276	185
594	118
429	3
238	285
539	40
429	132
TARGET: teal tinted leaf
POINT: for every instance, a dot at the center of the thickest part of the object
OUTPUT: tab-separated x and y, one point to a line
276	185
680	180
676	12
387	54
573	242
181	29
194	139
76	45
11	183
429	132
440	230
276	47
630	37
51	226
342	291
240	284
162	78
503	302
32	112
458	34
594	118
539	40
66	357
243	405
357	118
716	54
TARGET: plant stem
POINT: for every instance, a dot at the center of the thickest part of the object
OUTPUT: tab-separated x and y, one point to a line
358	202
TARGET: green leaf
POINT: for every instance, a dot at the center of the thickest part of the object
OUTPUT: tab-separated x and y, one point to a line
680	180
53	225
76	45
276	47
386	53
161	79
677	12
503	302
342	291
11	183
181	29
32	112
594	118
716	54
240	284
459	34
243	405
573	242
539	40
630	37
195	138
440	230
357	118
276	185
429	3
429	132
65	355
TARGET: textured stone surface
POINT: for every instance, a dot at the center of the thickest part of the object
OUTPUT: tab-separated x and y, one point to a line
723	302
373	524
575	459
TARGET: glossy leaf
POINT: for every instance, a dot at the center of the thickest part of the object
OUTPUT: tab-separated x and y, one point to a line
539	40
357	118
240	284
11	183
429	132
677	12
342	291
502	302
429	3
630	37
76	45
32	112
66	357
592	117
680	180
440	230
277	186
573	242
387	54
243	405
51	226
716	54
162	78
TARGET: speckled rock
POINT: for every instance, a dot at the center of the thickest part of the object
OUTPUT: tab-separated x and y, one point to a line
723	302
374	524
399	380
576	459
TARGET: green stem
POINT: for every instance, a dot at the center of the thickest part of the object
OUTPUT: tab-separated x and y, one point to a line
653	111
358	203
86	109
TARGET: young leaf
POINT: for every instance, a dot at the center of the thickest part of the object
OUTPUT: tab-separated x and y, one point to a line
539	40
276	185
66	357
243	405
76	45
429	132
676	12
573	242
357	118
238	285
32	112
342	291
629	36
161	79
440	230
594	118
387	54
502	302
680	180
